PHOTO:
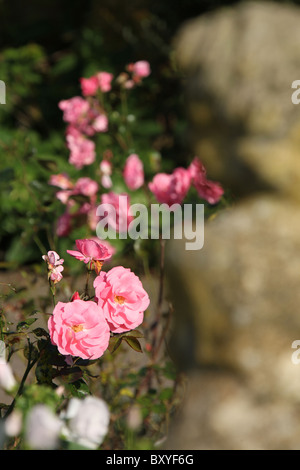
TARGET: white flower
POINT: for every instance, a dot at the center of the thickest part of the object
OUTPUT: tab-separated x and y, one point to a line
7	380
42	428
88	421
13	424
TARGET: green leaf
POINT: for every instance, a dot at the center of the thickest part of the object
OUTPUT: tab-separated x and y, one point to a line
48	164
134	334
159	408
78	388
23	325
40	332
30	352
6	175
133	343
114	343
70	375
166	394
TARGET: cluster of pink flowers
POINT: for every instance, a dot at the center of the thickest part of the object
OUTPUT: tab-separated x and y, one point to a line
168	188
173	188
136	72
82	328
68	191
86	116
100	81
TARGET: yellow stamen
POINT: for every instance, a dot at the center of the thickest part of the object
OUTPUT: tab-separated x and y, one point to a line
98	266
77	328
119	299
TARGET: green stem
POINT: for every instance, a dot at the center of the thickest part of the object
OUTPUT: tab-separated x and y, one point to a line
86	290
30	365
53	291
160	295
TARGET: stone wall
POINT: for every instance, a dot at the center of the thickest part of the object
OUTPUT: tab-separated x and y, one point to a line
238	299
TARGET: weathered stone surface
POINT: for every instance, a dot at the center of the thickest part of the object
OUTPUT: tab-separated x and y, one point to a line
237	315
237	300
240	63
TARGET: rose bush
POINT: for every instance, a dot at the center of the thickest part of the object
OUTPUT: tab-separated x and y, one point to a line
84	394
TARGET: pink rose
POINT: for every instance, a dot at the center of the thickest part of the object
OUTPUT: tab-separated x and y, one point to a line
171	188
121	296
61	180
90	251
100	123
63	226
89	86
55	274
82	150
104	80
106	170
208	190
82	117
134	172
86	186
63	195
79	328
129	84
111	249
74	108
119	215
141	68
52	259
55	267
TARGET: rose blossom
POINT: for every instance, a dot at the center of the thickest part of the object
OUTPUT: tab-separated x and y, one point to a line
55	267
141	68
63	195
121	296
64	226
118	208
84	117
111	249
104	80
88	421
208	190
90	251
171	188
86	186
100	123
79	328
106	170
134	172
42	428
61	180
7	379
82	150
73	108
89	86
53	259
